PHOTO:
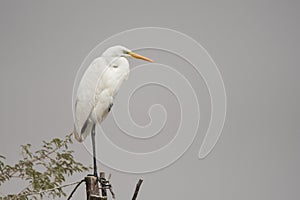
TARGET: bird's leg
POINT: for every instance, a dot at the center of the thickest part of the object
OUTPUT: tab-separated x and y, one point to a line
94	151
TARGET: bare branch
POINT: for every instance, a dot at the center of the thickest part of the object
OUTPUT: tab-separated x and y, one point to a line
43	191
73	191
137	188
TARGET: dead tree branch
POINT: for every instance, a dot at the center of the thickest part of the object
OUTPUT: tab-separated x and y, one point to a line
73	191
137	188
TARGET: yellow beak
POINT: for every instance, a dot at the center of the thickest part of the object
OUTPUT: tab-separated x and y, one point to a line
139	57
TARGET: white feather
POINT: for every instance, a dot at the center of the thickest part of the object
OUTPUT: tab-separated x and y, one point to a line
97	88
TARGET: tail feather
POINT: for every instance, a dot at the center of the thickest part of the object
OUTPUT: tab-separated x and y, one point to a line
80	137
87	130
77	136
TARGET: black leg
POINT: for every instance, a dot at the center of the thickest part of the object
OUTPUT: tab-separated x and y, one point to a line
94	151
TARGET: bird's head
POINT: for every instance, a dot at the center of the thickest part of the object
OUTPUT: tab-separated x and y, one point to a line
120	51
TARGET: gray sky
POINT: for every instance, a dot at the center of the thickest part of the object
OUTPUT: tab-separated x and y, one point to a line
255	45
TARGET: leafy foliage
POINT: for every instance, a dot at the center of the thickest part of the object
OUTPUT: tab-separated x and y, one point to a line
44	170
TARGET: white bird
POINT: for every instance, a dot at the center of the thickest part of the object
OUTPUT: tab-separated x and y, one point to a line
97	89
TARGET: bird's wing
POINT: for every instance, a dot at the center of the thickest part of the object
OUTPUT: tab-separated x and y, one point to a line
85	99
82	121
96	90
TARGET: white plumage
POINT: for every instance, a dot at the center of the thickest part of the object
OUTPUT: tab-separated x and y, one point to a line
98	87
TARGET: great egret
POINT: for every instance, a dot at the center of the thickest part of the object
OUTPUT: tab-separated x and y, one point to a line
96	91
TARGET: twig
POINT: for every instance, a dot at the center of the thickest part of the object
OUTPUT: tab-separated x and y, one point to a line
22	191
11	173
70	196
43	191
112	192
137	188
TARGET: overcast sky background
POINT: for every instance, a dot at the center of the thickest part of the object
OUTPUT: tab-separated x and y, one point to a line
254	43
